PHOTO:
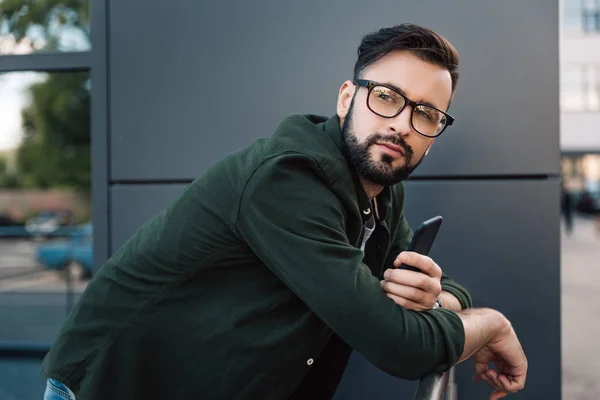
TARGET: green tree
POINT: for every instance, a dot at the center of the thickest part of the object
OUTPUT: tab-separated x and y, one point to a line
55	151
8	180
46	19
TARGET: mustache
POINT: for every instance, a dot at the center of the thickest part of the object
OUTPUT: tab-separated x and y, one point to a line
394	139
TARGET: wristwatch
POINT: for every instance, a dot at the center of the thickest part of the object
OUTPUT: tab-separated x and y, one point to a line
437	304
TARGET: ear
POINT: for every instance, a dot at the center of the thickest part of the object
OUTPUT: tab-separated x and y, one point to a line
345	99
429	147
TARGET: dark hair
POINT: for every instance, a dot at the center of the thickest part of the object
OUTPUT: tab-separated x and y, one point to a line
422	42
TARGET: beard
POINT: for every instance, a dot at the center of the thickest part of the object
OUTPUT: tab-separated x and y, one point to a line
380	171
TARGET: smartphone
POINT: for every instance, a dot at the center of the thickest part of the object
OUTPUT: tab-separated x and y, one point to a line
423	239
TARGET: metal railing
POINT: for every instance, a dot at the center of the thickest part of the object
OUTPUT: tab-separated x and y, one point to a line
436	387
12	350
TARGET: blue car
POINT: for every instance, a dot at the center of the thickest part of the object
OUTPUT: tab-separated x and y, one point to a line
61	254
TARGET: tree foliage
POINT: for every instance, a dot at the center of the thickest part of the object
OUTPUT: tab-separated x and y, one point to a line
47	17
55	150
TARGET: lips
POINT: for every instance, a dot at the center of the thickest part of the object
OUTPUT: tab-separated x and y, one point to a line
392	147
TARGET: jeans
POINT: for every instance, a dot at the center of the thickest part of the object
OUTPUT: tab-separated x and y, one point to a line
57	391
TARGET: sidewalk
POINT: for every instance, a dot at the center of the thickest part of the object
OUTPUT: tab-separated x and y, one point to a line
580	281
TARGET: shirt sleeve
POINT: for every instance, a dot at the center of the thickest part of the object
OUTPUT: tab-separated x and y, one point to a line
401	242
295	224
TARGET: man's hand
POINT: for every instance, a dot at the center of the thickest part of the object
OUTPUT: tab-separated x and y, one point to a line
413	290
489	337
510	361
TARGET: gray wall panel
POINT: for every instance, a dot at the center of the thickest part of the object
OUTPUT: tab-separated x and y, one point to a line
133	205
500	239
194	80
100	125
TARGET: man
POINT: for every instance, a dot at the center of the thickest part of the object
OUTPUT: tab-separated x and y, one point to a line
261	277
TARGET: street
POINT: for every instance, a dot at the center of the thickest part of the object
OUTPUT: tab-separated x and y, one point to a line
17	257
19	270
33	300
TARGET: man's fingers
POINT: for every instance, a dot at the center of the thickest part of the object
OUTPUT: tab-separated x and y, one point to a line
423	263
510	384
487	379
480	373
410	293
414	279
504	383
498	394
480	367
493	375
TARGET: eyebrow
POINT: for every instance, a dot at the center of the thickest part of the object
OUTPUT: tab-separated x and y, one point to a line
402	92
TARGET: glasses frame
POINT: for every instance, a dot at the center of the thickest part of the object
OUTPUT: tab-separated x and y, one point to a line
413	104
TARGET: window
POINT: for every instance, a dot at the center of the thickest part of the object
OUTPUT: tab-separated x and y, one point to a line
591	16
28	26
581	16
580	88
572	13
45	202
44	199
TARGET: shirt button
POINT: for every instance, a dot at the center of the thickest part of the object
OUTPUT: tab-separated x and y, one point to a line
367	211
310	361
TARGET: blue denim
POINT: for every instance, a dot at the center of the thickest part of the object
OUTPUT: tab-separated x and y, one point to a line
57	391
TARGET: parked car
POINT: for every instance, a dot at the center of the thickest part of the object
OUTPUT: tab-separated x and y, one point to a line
11	228
74	253
49	223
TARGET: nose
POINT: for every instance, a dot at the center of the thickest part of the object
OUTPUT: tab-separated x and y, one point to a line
400	124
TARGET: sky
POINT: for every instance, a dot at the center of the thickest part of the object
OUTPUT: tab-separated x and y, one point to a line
13	97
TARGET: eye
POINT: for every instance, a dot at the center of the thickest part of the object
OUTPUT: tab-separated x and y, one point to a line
424	114
385	95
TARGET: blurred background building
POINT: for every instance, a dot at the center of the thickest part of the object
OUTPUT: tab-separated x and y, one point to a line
580	94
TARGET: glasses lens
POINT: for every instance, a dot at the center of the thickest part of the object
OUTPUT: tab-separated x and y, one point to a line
384	101
428	121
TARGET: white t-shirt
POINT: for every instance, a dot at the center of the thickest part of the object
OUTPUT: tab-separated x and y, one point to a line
369	228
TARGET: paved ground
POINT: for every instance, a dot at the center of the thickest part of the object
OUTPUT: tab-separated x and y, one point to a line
580	277
16	257
33	304
19	270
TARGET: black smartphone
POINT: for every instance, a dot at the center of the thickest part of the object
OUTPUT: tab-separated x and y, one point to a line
423	239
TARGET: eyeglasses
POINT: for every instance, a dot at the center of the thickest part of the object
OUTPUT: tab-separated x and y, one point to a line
388	103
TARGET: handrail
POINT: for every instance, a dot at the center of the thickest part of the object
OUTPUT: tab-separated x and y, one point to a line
433	386
23	350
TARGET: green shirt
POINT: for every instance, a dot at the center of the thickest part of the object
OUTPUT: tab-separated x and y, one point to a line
234	290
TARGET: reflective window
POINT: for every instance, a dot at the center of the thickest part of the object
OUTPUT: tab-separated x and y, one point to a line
28	26
580	87
572	16
571	88
45	206
581	16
